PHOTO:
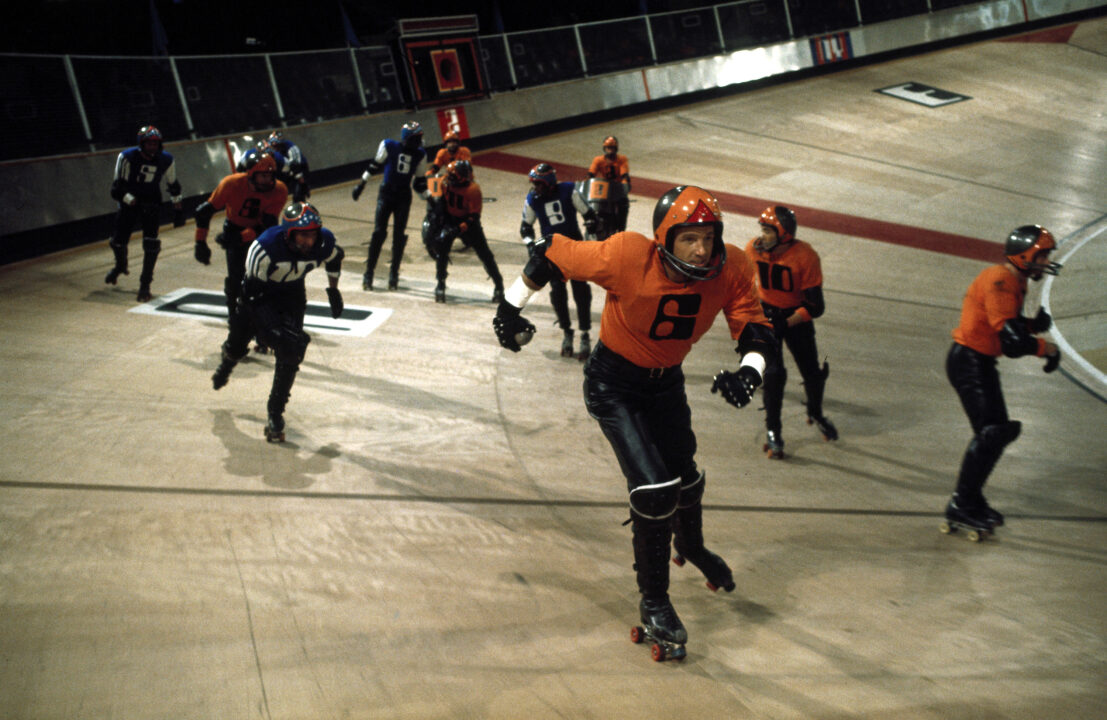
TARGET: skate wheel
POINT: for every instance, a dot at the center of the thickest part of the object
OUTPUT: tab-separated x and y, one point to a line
974	535
637	635
678	560
945	528
712	586
657	652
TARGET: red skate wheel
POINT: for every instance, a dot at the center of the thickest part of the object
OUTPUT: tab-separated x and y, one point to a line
678	560
712	586
657	652
636	635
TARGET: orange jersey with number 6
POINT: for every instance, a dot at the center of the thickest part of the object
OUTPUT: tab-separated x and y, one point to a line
648	318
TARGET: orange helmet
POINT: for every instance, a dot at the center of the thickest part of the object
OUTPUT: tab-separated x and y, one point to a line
688	206
781	219
611	144
459	173
1028	249
261	163
452	135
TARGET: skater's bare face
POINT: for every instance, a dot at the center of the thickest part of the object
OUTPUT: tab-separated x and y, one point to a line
694	245
304	240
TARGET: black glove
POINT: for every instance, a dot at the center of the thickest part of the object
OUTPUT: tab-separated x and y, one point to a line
202	252
737	387
1041	322
419	183
178	217
335	299
357	190
512	329
1052	361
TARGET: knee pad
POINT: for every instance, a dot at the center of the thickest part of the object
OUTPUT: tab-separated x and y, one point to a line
234	354
997	437
151	245
691	489
655	502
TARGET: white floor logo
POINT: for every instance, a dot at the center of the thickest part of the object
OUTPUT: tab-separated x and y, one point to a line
205	304
923	94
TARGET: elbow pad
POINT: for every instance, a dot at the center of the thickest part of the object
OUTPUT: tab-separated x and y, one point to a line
758	338
813	301
334	265
1015	339
374	169
116	190
526	231
538	269
203	214
174	188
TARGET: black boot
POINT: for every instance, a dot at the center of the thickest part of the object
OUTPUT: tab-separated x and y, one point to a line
651	561
689	546
284	374
119	251
223	372
151	248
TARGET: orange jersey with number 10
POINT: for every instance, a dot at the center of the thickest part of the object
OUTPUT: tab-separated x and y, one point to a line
785	272
647	318
245	206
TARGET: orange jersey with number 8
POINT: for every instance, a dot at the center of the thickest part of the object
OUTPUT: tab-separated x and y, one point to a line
246	206
648	318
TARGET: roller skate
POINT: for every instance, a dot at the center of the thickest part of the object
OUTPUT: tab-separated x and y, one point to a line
567	344
973	518
274	428
585	346
393	280
713	567
825	426
114	274
774	445
440	292
660	626
367	281
995	517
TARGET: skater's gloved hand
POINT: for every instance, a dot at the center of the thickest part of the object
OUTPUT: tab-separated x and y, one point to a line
357	190
1053	361
737	387
512	329
202	252
335	299
1041	322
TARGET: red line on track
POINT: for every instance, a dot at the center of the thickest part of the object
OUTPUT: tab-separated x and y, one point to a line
825	220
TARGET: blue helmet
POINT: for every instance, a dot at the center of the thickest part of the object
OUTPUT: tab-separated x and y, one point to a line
277	140
544	178
412	134
148	132
301	216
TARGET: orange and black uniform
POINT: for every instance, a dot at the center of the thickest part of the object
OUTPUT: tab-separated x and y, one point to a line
991	324
460	212
444	157
249	213
790	279
614	169
634	384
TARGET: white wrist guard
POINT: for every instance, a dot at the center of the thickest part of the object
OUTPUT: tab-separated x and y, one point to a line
519	293
755	361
